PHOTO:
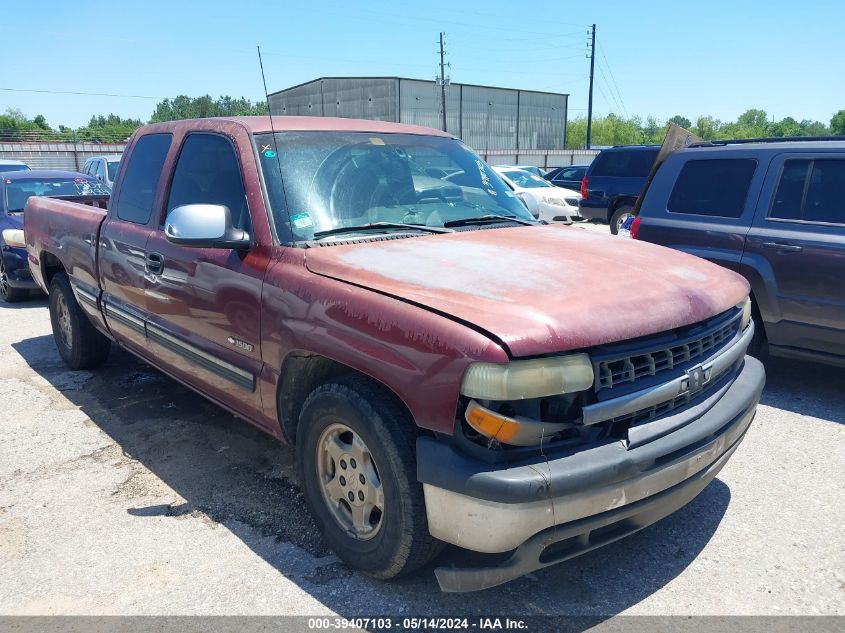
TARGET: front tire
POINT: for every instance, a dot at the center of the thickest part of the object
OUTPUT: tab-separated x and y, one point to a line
618	218
80	345
7	293
357	464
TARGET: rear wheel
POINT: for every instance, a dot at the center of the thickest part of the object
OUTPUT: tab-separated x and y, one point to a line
80	345
356	458
619	216
7	293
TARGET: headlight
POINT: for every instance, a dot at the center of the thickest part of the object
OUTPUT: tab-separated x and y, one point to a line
745	306
555	201
14	238
524	379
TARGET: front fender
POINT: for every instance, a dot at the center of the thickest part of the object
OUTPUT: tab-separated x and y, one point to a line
419	355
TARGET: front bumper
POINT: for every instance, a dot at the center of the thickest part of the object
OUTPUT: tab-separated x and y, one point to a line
557	214
551	510
18	274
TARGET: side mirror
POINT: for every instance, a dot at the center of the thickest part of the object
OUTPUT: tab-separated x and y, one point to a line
204	226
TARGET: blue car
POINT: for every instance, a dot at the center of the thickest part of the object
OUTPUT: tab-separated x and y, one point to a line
613	182
16	187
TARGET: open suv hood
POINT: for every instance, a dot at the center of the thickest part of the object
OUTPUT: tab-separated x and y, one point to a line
540	289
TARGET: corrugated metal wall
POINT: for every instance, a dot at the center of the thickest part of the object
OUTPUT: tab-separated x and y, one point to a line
542	120
486	118
420	104
68	156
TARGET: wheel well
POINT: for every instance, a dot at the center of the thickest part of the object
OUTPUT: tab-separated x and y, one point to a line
50	265
619	202
302	372
758	317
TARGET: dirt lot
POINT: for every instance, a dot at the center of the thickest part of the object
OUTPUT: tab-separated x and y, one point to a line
122	492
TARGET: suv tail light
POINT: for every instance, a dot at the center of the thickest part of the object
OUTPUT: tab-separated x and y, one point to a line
635	227
584	187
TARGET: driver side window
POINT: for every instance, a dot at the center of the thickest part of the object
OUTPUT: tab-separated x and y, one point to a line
208	172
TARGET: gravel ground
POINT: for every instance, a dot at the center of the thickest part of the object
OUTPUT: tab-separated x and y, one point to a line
122	492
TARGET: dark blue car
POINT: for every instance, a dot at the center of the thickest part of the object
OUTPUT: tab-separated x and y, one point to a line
613	182
15	188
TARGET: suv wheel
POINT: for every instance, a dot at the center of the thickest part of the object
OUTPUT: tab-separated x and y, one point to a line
356	458
619	216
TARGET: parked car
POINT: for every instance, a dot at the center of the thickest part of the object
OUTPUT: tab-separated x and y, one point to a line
773	212
12	165
544	200
450	370
613	182
531	169
103	168
16	187
569	177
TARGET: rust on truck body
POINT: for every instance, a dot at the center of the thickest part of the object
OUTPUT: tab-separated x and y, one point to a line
543	289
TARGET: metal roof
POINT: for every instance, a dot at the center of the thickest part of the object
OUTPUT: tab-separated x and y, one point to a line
454	83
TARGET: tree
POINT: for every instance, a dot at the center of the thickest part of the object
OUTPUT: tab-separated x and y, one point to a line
184	107
837	123
681	120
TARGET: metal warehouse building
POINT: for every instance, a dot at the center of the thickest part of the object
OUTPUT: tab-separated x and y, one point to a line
488	119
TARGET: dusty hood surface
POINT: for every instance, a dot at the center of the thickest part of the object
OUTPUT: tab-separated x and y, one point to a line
540	289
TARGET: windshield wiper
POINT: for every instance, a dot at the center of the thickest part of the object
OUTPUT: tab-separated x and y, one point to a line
375	226
490	217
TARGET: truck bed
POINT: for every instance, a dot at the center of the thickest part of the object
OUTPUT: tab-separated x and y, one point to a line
64	231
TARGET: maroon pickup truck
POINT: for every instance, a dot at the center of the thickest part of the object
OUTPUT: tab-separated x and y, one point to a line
449	369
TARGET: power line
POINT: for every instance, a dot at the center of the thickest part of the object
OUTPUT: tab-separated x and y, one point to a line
73	92
613	79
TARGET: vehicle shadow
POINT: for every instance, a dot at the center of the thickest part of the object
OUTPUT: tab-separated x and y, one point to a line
809	389
233	474
36	301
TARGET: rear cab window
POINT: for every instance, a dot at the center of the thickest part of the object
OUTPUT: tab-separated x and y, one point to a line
715	187
810	190
140	182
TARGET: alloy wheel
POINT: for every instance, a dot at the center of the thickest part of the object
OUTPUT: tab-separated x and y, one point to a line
350	482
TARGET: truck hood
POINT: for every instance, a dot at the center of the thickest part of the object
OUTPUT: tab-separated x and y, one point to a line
540	289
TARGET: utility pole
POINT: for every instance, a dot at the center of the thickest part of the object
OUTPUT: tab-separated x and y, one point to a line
592	56
442	80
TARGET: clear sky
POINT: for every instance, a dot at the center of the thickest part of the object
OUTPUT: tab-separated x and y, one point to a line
656	58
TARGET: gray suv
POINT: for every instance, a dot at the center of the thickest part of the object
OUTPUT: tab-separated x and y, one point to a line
773	211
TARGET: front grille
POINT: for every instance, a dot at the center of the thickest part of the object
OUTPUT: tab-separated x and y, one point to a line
572	202
652	357
678	402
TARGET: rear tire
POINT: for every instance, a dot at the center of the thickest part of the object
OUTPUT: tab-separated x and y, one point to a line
619	216
339	422
80	345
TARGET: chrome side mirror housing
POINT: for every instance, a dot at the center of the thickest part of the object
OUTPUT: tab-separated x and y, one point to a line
204	226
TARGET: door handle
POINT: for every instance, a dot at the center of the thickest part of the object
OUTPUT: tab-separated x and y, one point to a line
783	247
154	263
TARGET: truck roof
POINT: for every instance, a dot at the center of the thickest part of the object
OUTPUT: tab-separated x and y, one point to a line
258	124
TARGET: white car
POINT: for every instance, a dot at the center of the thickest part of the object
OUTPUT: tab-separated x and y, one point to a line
103	168
543	199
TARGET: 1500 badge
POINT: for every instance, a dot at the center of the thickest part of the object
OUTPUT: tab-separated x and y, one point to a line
241	344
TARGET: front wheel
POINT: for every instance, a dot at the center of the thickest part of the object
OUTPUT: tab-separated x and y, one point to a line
7	293
618	218
356	457
80	345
